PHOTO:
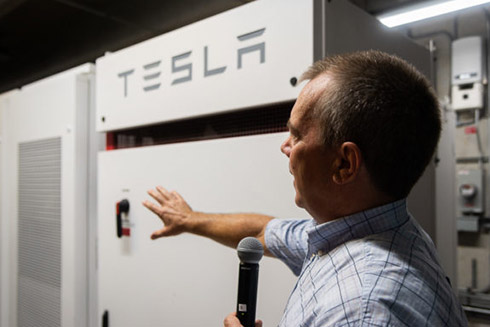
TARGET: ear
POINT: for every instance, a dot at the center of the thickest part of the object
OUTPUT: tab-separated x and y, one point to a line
348	163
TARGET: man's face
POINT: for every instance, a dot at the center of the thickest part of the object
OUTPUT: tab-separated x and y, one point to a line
309	162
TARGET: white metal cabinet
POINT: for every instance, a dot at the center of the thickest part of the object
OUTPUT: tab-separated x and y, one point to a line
194	72
44	214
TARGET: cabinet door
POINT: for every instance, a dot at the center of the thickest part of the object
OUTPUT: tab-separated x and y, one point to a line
188	280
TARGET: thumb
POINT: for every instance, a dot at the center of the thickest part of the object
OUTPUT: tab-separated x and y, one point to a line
165	231
258	323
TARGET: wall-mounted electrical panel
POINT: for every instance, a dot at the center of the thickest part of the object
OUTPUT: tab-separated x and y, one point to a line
44	214
471	142
468	71
470	195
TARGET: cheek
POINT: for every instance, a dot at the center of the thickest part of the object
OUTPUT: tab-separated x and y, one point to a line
293	160
296	164
306	167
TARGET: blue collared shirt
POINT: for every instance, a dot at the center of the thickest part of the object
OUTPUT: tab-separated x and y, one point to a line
374	268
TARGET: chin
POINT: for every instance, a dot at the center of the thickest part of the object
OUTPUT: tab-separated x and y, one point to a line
298	201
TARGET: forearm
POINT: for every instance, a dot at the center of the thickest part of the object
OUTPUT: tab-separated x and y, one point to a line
228	229
178	217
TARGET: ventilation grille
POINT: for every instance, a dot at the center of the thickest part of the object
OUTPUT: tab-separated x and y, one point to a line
39	234
262	120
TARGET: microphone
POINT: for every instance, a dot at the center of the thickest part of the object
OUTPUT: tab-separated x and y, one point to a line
250	251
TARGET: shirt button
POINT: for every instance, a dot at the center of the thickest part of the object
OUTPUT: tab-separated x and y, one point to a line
320	253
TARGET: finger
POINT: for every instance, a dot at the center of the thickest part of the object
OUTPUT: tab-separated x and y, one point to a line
177	196
153	207
157	196
232	321
258	323
165	194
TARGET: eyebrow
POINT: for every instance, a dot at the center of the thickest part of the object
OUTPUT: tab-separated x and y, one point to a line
291	128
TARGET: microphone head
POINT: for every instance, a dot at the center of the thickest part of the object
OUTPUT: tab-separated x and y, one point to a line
250	250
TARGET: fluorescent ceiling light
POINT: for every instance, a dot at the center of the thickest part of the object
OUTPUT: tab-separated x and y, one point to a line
426	10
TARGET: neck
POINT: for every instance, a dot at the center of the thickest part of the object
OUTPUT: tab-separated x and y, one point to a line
348	200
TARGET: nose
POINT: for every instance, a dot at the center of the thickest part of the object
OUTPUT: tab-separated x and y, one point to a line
286	146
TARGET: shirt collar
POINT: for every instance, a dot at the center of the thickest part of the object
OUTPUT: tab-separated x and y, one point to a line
322	238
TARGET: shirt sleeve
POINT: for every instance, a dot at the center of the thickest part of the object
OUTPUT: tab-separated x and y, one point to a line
287	240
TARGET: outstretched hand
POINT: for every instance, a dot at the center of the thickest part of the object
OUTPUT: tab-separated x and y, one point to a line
172	209
232	321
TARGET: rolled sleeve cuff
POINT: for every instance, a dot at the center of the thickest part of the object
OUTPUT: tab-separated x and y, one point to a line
287	240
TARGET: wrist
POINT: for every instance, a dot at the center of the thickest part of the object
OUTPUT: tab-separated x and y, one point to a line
191	222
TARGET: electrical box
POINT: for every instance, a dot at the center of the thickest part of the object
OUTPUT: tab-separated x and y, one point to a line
468	61
470	191
467	96
44	217
468	73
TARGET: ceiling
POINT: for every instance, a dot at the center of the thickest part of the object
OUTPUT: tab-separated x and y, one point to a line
39	38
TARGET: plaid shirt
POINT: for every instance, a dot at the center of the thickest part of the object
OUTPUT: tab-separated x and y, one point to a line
374	268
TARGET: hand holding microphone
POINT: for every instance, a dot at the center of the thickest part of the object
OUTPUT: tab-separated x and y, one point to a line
250	251
232	321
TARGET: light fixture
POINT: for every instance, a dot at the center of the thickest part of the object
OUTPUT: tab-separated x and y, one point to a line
426	10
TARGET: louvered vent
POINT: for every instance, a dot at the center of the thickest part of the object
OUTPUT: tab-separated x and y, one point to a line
39	234
262	120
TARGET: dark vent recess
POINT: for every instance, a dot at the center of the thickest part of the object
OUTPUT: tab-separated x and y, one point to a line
263	120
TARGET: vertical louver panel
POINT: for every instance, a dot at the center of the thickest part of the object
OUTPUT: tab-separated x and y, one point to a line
39	234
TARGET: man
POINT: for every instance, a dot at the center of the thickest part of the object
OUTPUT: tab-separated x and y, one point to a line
362	132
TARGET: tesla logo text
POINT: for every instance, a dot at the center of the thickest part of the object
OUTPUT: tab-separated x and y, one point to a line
180	64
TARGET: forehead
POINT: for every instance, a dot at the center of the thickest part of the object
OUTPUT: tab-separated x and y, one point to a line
308	97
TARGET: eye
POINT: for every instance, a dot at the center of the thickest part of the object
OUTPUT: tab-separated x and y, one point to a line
295	136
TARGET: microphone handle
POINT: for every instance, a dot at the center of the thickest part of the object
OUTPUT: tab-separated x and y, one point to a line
248	279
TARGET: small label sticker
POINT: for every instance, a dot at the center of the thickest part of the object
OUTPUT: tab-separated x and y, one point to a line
470	130
242	307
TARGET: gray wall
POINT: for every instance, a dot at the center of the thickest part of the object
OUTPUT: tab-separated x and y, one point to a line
441	31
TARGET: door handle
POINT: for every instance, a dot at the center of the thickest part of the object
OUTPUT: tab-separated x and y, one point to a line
121	207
